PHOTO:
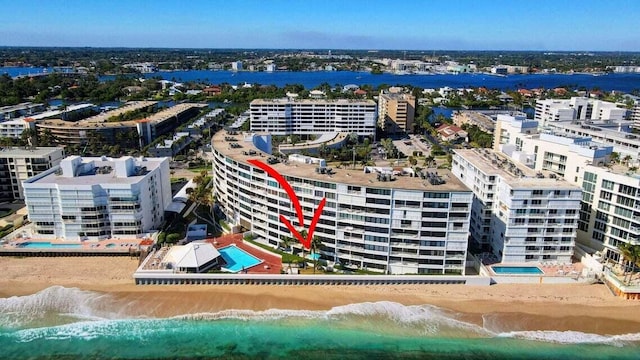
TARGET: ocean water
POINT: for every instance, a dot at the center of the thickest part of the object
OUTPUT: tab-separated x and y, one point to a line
67	323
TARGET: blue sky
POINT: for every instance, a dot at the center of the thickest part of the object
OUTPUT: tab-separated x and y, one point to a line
595	25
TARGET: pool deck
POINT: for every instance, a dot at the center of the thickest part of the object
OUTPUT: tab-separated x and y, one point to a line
89	248
271	263
552	272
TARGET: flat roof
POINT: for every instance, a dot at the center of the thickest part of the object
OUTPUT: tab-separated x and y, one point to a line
524	176
27	152
312	101
101	120
21	106
99	178
598	130
346	176
172	111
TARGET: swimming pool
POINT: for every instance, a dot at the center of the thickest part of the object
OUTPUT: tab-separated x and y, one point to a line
517	270
237	259
48	245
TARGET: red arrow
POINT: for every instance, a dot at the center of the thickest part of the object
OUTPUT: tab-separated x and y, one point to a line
296	204
316	217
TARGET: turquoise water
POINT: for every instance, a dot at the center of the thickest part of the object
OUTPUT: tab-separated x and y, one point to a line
71	324
48	245
517	270
238	259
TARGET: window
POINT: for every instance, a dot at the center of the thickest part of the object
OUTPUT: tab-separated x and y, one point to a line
591	177
606	184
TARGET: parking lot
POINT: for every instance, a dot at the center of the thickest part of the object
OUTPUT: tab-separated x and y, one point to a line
413	143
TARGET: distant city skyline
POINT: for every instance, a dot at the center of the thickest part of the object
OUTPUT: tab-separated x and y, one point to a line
558	25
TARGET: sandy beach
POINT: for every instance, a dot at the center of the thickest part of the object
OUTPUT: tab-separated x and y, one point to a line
580	307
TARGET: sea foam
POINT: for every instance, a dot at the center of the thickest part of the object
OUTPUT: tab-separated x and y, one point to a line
573	337
43	306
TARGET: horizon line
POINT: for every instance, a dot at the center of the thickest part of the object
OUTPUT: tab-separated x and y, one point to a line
314	49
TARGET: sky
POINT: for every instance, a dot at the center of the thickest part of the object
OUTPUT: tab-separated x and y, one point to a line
545	25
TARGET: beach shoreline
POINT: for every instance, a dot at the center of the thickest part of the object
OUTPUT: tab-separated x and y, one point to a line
502	307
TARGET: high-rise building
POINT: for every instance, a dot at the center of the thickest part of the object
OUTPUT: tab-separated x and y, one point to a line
518	214
610	211
379	219
317	116
396	110
19	164
98	198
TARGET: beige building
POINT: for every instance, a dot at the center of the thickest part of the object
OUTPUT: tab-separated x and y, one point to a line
396	110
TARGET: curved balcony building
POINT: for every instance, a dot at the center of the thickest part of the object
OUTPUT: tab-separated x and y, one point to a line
388	220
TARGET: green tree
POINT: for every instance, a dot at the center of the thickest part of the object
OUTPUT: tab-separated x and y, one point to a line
614	157
631	256
429	160
316	243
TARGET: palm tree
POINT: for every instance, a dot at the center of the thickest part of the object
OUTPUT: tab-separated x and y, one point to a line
315	245
285	241
323	150
614	157
428	161
631	256
303	233
388	146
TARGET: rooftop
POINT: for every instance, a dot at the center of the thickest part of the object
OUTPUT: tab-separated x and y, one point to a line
97	171
355	176
596	129
312	101
101	120
7	152
514	173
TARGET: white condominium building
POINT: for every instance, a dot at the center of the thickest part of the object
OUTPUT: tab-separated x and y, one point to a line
19	164
616	134
577	108
519	214
547	150
308	117
387	220
610	212
99	198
